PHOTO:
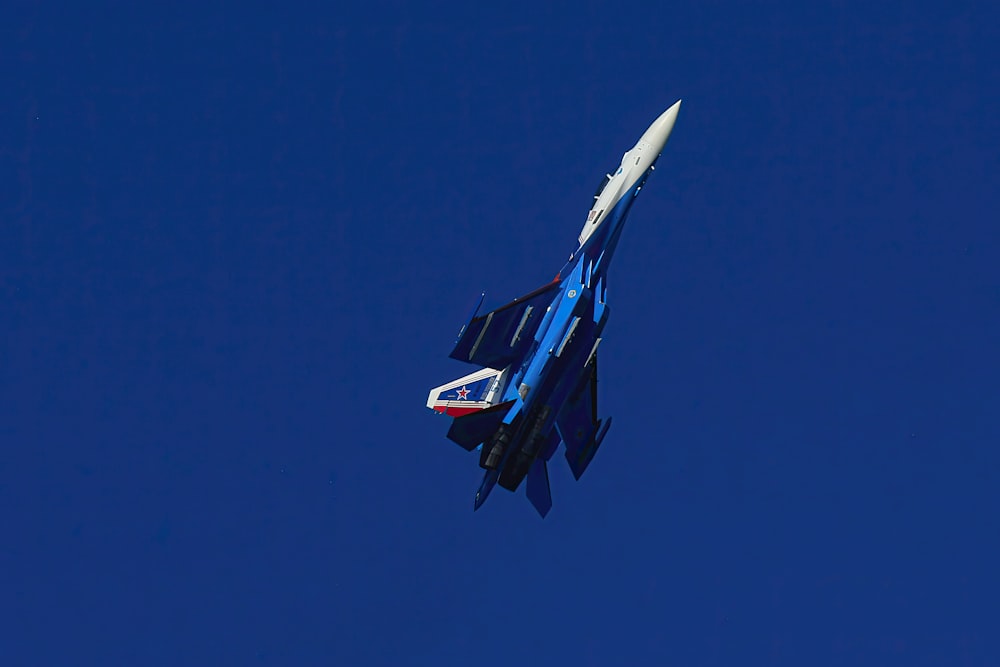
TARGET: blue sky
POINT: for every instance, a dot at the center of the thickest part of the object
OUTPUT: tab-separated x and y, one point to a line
237	247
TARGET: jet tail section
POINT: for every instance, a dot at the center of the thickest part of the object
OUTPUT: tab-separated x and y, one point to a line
470	393
579	459
489	481
471	429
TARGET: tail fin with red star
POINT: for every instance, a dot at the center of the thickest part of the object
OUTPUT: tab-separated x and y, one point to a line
474	392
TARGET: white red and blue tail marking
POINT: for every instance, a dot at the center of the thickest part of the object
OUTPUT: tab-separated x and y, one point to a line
476	391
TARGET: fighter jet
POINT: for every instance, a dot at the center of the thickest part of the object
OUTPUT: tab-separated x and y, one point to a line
537	385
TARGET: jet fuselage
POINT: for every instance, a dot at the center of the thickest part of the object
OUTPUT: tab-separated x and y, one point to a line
540	385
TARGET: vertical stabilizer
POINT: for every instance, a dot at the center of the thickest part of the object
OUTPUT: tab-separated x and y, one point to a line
471	393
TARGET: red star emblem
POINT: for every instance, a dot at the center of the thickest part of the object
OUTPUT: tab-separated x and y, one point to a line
463	393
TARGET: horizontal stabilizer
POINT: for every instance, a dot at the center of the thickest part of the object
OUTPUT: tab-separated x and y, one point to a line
471	429
579	459
551	445
539	492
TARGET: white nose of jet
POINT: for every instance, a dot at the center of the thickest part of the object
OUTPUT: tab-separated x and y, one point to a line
658	133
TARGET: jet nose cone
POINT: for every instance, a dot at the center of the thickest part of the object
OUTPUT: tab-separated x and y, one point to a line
659	131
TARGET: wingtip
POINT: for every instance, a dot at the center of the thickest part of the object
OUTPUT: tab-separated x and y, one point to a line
480	499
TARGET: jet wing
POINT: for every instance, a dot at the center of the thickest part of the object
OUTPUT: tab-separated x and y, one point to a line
579	427
503	336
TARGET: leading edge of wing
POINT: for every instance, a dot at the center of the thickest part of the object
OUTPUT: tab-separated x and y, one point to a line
504	334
